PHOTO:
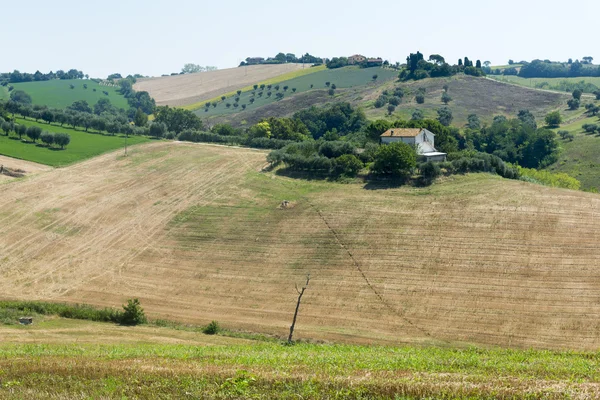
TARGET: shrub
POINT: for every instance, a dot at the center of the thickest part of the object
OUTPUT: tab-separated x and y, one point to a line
348	165
420	98
211	329
133	313
429	171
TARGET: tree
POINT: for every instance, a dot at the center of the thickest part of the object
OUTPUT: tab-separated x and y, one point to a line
6	127
333	86
294	90
446	98
375	77
436	58
48	116
394	100
191	68
276	88
573	103
19	96
252	100
553	119
376	128
331	92
527	118
255	87
62	139
228	105
478	64
47	138
417	115
300	294
577	94
445	116
397	159
390	109
597	94
239	92
177	119
140	119
588	59
81	106
260	130
473	122
20	130
285	88
243	106
429	171
34	132
420	98
348	165
133	313
158	129
540	149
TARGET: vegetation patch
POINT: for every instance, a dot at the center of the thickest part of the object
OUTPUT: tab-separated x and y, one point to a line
61	93
82	145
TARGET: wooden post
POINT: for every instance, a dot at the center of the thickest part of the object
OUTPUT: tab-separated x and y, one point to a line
300	293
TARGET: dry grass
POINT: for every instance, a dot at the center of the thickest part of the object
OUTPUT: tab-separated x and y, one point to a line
13	168
181	90
196	233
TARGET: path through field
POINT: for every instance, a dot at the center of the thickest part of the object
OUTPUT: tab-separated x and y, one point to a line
196	232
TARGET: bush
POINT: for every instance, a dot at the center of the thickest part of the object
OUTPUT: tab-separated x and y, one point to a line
133	313
211	329
420	98
348	165
396	159
429	171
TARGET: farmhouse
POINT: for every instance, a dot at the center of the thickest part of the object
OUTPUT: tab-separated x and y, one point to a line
374	62
422	138
254	60
356	59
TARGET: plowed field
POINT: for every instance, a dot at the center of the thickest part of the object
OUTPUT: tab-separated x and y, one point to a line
196	232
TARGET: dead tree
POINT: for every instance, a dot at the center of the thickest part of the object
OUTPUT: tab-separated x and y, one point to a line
300	293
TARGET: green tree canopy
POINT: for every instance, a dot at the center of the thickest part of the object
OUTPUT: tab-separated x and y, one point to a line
397	159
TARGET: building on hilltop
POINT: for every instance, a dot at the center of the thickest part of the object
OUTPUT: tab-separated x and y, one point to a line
423	139
356	59
374	62
254	60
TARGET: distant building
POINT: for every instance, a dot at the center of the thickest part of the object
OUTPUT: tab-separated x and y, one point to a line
421	138
374	62
254	60
356	59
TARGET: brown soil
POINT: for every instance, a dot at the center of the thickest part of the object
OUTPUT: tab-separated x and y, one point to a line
195	233
180	90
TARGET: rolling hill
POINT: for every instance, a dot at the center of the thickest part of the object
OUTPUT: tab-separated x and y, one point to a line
197	233
57	93
484	97
342	78
193	89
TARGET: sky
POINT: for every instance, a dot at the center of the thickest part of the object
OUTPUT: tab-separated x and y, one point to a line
155	37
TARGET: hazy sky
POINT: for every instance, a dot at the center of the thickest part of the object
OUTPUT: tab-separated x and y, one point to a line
153	37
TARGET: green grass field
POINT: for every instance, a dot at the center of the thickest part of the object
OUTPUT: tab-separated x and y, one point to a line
304	371
83	145
558	84
58	94
343	78
580	158
3	93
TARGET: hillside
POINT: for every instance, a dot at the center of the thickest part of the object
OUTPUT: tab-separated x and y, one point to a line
481	96
196	232
587	84
342	78
182	90
57	93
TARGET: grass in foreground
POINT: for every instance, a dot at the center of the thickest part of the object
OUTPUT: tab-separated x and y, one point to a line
58	93
267	370
83	145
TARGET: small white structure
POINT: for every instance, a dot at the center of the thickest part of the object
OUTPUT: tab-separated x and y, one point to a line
423	139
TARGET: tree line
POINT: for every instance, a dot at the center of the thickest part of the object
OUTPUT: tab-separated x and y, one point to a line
418	68
18	77
34	133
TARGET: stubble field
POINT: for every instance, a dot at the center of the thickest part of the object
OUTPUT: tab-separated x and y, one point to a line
181	90
196	232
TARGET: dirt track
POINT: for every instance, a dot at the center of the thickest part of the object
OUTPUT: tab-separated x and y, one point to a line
180	90
195	232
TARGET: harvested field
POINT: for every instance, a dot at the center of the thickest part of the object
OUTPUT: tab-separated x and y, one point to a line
22	167
195	232
180	90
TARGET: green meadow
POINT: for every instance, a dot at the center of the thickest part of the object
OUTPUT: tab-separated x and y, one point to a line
83	145
343	78
58	93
